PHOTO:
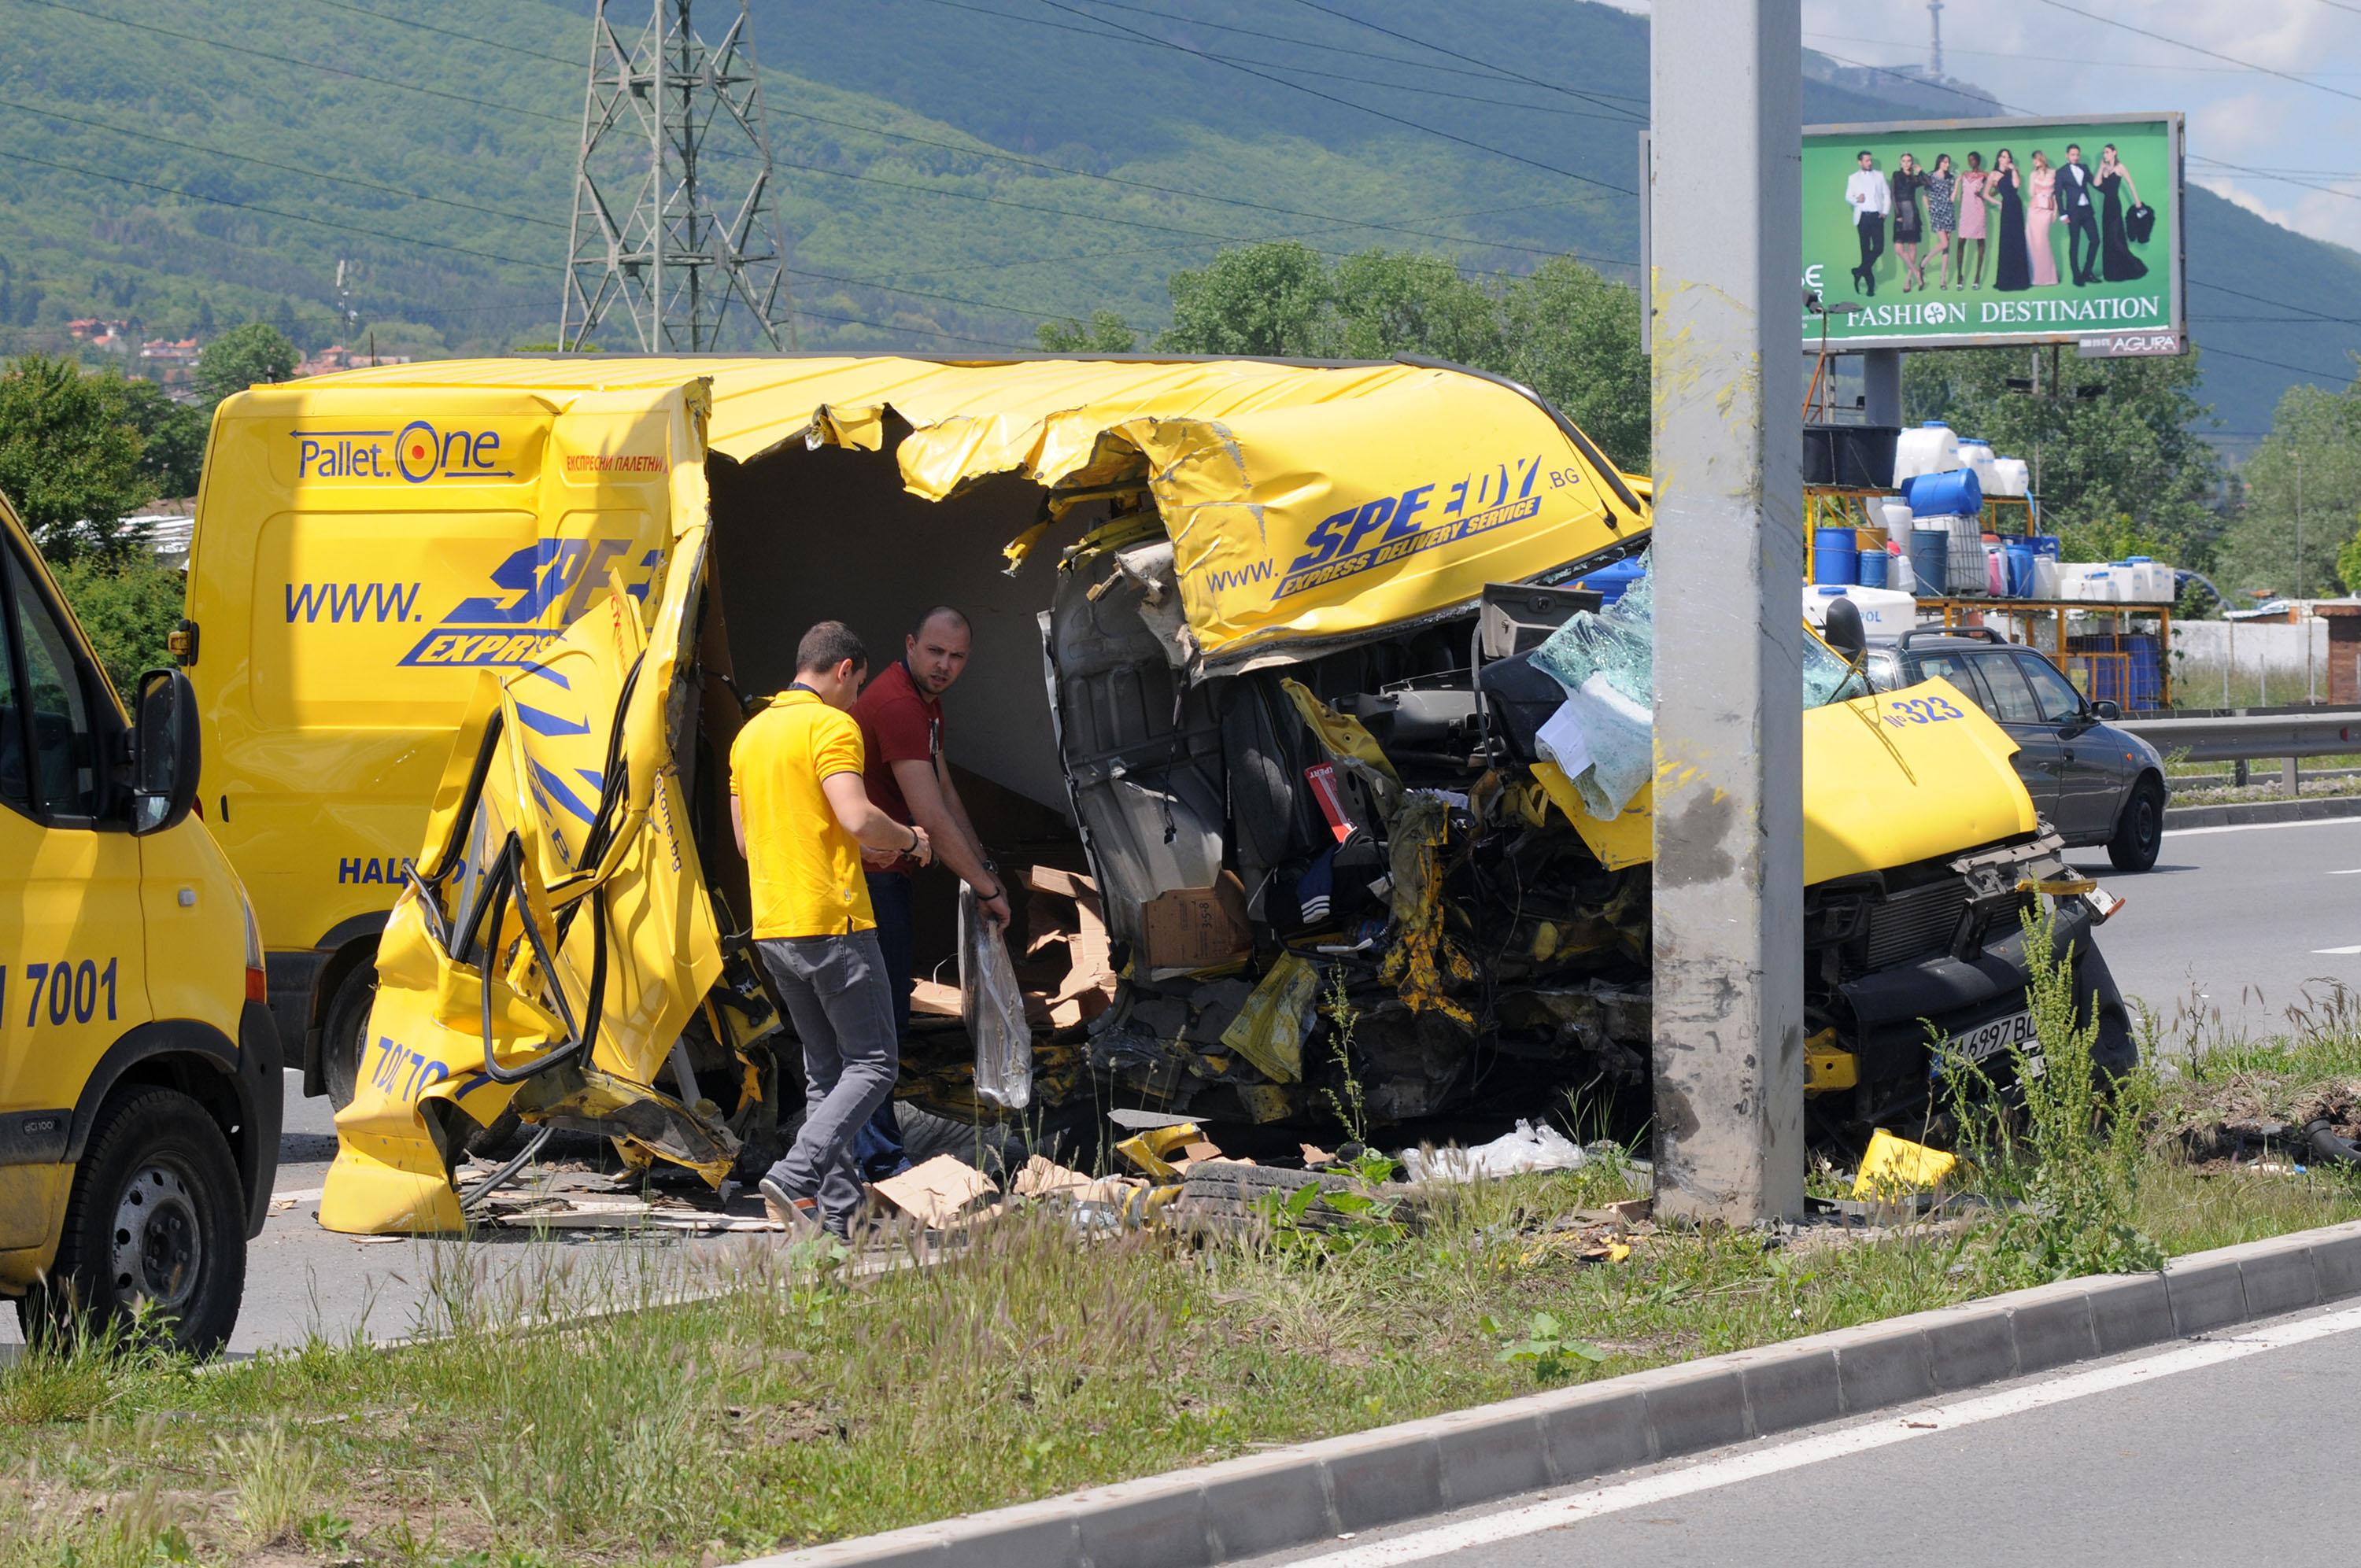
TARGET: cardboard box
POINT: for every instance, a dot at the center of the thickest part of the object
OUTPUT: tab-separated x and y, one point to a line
1196	928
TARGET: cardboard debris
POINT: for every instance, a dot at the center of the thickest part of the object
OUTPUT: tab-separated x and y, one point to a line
1196	928
1042	1178
940	1193
1314	1154
1089	983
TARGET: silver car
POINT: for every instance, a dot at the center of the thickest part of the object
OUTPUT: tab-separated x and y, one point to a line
2095	784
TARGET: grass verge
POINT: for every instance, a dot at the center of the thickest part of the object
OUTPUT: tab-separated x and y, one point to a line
803	1404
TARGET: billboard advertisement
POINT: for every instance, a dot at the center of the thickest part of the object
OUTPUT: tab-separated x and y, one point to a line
1977	233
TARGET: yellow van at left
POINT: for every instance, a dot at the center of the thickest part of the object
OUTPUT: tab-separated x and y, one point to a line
140	1080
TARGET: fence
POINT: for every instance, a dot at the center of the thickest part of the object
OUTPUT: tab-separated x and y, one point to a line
2229	664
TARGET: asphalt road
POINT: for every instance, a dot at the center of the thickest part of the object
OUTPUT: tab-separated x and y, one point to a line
2192	1452
2236	925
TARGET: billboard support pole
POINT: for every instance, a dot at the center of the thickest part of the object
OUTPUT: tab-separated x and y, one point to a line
1881	375
1725	215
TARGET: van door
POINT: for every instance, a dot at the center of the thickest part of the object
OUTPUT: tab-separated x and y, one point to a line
72	955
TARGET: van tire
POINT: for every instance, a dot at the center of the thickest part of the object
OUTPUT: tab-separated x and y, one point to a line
344	1033
157	1211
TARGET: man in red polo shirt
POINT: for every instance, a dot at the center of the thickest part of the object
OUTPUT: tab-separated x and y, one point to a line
901	717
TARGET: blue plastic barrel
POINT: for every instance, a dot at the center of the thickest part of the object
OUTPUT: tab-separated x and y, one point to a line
1835	556
1609	581
1931	561
2045	544
2017	558
1872	569
1955	493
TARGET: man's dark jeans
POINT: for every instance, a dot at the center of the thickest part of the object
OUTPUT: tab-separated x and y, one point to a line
878	1149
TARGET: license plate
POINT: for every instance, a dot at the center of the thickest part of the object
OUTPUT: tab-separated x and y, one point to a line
1994	1039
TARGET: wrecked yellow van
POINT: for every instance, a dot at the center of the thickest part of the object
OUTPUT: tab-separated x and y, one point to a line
1253	702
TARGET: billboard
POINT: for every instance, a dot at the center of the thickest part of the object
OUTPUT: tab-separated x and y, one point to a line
1977	233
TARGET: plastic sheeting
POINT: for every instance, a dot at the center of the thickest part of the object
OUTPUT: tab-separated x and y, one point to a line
993	1005
1606	662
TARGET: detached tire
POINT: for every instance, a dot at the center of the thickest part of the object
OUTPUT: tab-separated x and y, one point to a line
2139	835
158	1215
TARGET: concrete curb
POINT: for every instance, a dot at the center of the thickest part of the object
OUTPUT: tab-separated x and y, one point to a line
1312	1492
2248	812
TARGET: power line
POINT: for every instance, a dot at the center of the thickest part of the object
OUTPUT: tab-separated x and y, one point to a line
1348	103
273	212
410	24
1455	54
2345	375
282	168
1487	74
2195	49
289	60
2282	304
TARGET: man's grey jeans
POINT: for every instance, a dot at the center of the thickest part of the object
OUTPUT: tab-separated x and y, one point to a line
842	1011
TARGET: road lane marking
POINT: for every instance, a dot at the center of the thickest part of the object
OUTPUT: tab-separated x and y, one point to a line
2261	827
301	1195
2336	952
2355	872
1901	1426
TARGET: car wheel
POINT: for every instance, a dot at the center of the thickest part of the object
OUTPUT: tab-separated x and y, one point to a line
157	1220
343	1039
2139	835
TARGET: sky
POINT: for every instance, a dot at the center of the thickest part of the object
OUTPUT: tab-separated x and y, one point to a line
2299	132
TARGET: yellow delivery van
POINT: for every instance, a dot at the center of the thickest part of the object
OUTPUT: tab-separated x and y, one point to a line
1253	718
139	1072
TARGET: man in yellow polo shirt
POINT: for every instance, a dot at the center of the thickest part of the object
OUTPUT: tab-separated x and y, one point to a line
802	817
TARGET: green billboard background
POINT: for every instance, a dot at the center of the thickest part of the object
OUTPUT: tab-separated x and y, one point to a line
2149	147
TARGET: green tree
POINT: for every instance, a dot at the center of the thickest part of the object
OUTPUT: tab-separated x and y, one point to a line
69	453
127	606
1105	333
240	359
1275	300
172	438
2312	457
1575	337
1564	330
2126	457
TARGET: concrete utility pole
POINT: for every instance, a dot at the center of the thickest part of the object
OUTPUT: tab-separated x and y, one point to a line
1727	213
676	213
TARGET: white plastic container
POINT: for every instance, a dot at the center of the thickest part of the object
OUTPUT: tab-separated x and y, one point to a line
1898	575
1932	448
2146	580
2090	582
1885	613
2009	478
2045	578
1977	457
1895	515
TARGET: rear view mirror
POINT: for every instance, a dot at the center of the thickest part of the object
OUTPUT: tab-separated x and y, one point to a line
2106	710
1844	631
164	757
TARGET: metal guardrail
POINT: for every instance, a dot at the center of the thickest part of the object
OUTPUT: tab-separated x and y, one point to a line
2225	738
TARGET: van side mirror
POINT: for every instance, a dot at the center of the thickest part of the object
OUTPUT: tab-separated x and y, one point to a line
2106	710
1844	631
164	755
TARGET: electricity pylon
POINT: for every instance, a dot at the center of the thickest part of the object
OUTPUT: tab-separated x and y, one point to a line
672	138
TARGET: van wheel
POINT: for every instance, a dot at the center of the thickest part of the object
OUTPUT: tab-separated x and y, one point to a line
157	1220
2140	835
345	1037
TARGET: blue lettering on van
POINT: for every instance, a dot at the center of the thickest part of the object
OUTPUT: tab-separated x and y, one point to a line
1389	528
353	602
361	870
416	453
547	584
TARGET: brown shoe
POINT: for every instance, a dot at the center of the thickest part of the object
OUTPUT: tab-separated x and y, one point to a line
799	1217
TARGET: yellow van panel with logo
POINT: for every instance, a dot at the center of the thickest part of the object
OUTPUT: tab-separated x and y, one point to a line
358	553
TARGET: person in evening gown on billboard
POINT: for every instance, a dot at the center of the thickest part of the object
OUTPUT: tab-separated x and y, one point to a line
2116	262
2041	221
1908	180
1942	217
2012	267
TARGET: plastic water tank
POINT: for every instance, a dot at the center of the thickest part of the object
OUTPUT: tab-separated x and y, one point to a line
2045	577
1976	456
2009	478
1954	492
1929	449
1835	556
1885	613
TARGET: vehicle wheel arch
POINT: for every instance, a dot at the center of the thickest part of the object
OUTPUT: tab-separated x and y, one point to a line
352	947
184	1054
